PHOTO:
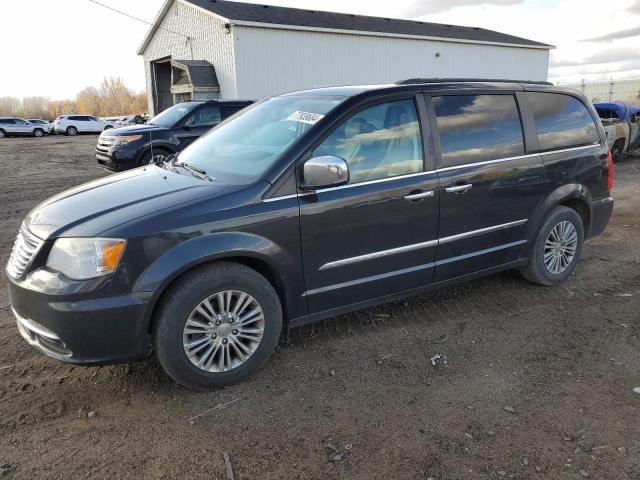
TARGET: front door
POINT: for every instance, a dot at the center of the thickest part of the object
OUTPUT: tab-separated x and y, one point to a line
197	123
489	185
376	235
22	126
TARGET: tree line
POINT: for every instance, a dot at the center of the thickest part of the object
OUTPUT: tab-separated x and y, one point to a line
112	98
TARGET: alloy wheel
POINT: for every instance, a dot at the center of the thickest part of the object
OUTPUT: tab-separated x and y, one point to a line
223	331
560	247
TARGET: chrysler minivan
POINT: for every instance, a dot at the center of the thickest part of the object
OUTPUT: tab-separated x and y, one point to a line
308	205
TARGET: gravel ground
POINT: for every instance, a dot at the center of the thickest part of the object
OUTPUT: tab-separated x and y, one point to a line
534	382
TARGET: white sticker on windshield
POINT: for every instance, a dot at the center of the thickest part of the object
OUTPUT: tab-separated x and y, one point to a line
305	117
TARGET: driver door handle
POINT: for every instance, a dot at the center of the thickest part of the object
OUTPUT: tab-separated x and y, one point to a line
414	197
459	189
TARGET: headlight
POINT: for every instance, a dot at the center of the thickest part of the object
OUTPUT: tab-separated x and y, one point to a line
124	139
82	258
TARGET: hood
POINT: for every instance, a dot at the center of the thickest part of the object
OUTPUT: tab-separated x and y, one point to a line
133	129
92	208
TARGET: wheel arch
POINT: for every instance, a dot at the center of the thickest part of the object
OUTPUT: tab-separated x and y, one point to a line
167	147
574	196
187	256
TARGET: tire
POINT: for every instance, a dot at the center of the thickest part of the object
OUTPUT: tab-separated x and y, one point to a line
108	127
186	299
617	151
38	132
2	133
71	131
157	152
541	268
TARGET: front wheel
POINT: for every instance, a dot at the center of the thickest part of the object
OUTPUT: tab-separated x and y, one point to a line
217	325
38	132
2	134
557	248
71	131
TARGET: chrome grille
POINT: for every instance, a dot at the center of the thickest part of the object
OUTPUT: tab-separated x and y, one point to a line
24	248
105	142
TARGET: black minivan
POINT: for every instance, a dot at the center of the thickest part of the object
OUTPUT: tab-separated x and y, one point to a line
305	206
169	132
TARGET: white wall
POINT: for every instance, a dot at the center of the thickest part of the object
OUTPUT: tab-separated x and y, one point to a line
271	61
209	43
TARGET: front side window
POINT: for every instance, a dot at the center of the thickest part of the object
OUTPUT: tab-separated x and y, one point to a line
239	150
562	121
206	115
476	128
380	142
172	115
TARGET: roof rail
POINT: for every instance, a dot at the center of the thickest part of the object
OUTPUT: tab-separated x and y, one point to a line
413	81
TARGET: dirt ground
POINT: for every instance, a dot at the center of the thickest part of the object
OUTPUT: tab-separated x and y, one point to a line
535	383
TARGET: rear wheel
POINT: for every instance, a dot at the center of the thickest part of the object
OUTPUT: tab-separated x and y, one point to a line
557	248
217	325
2	134
38	132
71	131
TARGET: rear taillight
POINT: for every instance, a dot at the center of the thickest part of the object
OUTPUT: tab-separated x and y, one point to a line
609	171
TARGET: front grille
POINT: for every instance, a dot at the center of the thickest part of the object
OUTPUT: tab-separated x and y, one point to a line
24	249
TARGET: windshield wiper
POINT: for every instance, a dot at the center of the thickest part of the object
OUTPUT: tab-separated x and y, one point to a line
195	171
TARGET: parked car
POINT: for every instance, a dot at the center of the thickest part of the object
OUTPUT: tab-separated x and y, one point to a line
46	124
167	133
621	124
74	124
305	206
12	126
129	120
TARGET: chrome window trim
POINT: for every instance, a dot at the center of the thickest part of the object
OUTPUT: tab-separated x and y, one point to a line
379	254
381	276
417	246
371	182
518	157
431	172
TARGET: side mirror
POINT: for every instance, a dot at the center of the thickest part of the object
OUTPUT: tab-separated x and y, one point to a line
327	171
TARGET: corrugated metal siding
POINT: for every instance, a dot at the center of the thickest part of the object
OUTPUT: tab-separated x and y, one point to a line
209	43
270	61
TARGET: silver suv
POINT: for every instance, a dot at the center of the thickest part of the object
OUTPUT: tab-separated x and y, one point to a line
18	126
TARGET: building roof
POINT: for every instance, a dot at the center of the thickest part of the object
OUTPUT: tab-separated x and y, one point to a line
241	13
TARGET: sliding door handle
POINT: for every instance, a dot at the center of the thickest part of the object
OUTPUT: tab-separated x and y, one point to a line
459	189
415	197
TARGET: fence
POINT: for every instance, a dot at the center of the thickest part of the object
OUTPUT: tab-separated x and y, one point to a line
625	90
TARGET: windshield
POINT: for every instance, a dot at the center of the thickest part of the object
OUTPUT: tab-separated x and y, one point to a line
239	150
173	115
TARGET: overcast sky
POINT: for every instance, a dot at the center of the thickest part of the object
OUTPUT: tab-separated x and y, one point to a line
56	48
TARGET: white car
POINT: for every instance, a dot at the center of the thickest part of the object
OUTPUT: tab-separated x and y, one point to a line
74	124
129	120
10	126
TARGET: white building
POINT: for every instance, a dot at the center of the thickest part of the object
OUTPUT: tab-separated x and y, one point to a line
220	49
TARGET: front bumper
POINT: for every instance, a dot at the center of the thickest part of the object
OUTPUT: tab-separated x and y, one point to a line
116	159
90	331
601	211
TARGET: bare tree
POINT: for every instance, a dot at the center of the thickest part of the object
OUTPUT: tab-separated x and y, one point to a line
9	106
34	107
117	96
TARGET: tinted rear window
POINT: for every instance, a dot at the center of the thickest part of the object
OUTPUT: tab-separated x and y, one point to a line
475	128
562	121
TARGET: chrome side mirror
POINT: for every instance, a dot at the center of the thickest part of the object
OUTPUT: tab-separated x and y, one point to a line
327	171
